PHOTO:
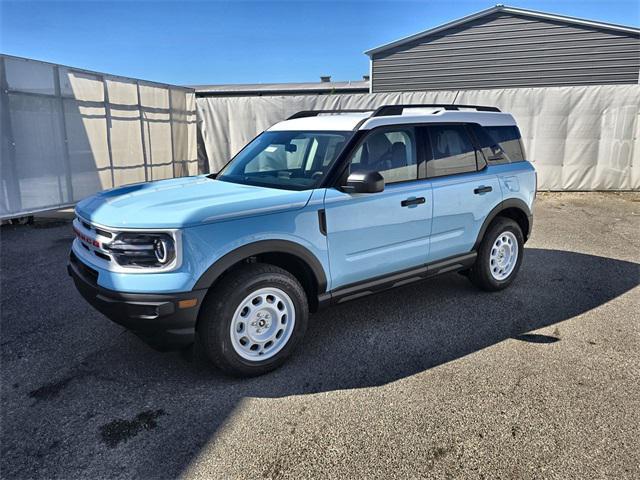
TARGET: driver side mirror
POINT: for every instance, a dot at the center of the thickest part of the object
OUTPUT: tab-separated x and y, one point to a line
364	182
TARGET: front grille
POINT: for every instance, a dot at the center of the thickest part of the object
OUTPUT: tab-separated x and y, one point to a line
104	233
99	231
103	256
92	239
102	248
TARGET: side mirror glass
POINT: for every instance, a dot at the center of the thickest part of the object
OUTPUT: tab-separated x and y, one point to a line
364	182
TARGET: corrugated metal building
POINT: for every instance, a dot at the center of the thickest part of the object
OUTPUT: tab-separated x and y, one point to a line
506	47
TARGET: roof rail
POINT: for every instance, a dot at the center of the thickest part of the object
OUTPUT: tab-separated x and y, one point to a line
387	110
315	113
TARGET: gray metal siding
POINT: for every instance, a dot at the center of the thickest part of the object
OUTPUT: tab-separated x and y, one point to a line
505	50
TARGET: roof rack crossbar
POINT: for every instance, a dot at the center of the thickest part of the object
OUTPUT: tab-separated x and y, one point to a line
387	110
315	113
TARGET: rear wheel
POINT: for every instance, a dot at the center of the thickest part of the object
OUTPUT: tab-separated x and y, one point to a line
499	255
252	320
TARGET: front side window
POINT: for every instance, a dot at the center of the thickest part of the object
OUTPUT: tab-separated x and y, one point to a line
452	151
289	160
391	152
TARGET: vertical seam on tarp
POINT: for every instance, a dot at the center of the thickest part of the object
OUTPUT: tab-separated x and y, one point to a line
107	115
65	137
144	148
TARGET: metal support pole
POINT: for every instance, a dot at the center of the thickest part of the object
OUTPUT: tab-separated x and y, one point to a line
173	150
9	172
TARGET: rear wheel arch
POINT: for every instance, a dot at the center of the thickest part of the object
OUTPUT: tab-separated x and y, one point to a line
512	208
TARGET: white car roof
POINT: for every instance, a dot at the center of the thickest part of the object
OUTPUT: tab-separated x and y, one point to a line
349	121
336	122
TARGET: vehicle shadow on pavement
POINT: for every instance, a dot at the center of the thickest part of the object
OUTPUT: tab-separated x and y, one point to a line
82	398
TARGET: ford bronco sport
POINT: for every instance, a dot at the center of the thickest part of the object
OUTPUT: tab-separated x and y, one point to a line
321	208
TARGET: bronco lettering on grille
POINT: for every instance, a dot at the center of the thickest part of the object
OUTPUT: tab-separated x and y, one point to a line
86	238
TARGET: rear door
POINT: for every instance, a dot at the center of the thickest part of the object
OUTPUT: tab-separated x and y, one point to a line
464	189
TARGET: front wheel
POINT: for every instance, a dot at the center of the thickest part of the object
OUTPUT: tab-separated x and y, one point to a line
250	323
499	256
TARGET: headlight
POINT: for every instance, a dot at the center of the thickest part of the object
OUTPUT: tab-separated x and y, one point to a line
142	249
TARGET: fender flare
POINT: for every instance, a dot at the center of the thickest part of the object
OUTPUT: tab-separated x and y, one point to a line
263	246
508	203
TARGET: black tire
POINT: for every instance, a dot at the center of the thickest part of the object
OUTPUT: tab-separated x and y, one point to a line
480	274
220	304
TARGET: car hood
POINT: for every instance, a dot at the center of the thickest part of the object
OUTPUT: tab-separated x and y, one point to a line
184	202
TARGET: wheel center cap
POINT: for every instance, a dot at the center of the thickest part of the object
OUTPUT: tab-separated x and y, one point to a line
262	322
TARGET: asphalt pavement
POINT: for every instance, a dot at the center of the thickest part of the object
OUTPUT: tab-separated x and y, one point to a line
433	380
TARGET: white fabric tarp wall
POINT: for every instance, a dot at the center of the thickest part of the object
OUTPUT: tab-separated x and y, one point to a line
68	133
579	138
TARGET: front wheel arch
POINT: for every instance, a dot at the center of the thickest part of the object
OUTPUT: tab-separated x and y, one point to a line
290	256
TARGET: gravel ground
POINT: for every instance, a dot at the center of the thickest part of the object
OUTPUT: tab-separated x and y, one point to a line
431	380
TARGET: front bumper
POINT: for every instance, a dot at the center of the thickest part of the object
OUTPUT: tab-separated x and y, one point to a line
155	318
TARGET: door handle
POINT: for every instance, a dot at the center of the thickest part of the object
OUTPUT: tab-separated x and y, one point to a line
412	201
483	189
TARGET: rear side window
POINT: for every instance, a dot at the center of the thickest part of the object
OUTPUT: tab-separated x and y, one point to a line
509	140
452	151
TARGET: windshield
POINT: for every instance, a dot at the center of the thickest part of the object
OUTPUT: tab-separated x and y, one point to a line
289	160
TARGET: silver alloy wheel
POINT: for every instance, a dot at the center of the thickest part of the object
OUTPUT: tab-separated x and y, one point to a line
503	256
262	324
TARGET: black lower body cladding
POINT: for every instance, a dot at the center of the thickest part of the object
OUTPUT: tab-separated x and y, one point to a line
156	318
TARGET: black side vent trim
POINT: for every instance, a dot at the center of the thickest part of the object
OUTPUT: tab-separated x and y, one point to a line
322	221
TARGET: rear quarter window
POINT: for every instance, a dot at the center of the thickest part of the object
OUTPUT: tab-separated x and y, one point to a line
509	140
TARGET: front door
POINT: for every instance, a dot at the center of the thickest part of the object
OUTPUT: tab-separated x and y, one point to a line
371	235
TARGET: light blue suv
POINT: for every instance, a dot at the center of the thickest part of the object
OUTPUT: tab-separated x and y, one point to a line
319	209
